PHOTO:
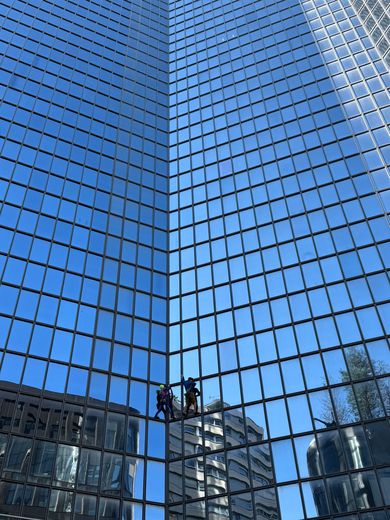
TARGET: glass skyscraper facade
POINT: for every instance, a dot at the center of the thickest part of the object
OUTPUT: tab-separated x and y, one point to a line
84	174
199	189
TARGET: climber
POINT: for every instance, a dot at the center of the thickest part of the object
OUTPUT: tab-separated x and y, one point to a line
161	401
191	394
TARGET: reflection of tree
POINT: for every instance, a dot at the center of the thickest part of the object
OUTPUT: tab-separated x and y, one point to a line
384	385
327	415
362	399
368	401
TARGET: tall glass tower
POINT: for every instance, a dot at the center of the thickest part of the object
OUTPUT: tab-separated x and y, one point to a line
84	187
194	189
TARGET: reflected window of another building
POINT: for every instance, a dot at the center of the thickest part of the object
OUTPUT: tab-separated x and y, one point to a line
377	434
175	481
175	440
340	494
66	465
356	448
18	458
214	431
366	490
194	478
195	510
218	508
111	481
261	465
42	462
10	498
242	506
89	469
131	511
49	420
85	507
238	469
115	432
216	474
193	436
108	509
314	495
93	427
373	515
384	481
3	446
256	429
265	504
26	413
133	478
135	440
36	500
176	512
308	456
234	431
331	452
60	506
7	407
71	423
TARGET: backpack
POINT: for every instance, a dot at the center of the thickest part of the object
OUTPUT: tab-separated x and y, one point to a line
164	394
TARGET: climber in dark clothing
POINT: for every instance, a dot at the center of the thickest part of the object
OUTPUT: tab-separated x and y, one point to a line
161	401
169	403
191	393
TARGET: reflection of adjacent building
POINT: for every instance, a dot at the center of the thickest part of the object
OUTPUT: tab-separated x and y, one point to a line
220	471
44	441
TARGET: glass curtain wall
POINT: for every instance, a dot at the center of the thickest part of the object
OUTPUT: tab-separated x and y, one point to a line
278	290
276	117
83	264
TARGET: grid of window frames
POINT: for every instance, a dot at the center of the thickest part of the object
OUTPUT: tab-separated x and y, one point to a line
278	289
273	219
375	17
361	81
83	262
